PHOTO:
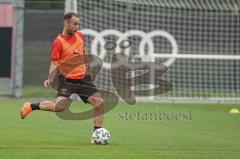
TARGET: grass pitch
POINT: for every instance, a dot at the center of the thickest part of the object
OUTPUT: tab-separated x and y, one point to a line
190	131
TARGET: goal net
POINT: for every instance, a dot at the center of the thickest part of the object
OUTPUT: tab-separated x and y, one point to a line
197	40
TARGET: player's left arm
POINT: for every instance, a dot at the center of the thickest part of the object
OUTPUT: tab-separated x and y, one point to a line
87	55
86	61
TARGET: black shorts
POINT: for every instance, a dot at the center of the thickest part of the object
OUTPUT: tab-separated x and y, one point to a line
82	87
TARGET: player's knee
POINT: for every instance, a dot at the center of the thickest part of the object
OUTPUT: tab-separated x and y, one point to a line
97	103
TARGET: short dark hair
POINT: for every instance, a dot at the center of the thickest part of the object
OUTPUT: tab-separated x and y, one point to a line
69	15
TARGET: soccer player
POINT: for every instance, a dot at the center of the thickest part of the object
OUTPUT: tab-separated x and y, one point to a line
68	57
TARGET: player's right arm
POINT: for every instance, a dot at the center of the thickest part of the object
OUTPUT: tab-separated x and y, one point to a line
52	73
55	57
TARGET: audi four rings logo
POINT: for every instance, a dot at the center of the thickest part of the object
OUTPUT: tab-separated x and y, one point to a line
146	40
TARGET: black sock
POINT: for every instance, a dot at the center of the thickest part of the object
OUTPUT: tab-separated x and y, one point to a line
35	106
96	127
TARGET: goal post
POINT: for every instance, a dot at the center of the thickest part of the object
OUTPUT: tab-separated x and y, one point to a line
70	6
199	41
11	26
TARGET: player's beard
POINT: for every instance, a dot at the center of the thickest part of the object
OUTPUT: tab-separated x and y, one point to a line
71	32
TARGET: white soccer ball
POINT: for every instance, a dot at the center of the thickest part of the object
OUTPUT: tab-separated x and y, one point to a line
101	136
